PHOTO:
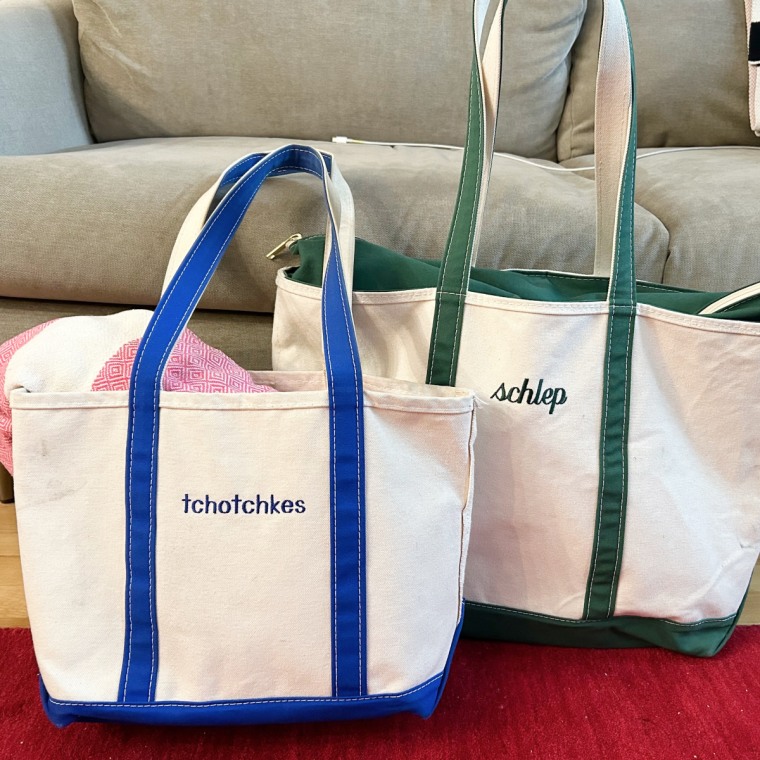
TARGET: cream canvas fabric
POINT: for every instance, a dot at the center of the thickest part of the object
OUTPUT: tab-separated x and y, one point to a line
538	473
616	492
71	499
394	329
300	557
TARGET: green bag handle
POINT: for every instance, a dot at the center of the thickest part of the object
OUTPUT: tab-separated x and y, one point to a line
614	158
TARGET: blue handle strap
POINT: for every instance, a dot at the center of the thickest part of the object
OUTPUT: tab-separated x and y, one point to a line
345	394
239	168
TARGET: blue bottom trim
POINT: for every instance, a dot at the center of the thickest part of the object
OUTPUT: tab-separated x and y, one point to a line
421	700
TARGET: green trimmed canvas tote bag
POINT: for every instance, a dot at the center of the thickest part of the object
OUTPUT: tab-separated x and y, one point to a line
617	485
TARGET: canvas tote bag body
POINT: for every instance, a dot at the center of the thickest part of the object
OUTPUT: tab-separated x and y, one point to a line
201	558
617	487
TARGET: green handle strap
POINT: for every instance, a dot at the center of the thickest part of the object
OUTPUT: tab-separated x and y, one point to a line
615	148
614	158
464	233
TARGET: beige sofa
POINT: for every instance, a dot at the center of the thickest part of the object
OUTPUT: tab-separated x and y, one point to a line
115	116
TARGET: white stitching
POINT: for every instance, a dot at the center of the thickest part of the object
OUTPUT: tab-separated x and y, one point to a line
612	296
603	458
623	490
446	257
629	359
131	460
291	406
470	235
156	394
227	199
631	317
328	368
358	452
581	622
154	705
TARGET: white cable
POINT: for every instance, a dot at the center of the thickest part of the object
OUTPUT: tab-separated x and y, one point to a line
348	140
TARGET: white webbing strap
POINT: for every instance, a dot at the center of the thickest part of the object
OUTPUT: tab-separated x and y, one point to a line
488	29
752	8
613	112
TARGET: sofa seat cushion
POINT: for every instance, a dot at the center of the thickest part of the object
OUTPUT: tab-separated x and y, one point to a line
245	338
98	224
391	70
707	200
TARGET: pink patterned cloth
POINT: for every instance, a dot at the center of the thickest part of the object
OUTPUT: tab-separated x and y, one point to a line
6	354
193	367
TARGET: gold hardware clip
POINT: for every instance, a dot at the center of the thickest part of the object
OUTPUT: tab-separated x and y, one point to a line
286	245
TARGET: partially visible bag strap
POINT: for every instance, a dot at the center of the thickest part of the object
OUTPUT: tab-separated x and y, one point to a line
464	233
614	144
752	8
346	433
615	157
196	218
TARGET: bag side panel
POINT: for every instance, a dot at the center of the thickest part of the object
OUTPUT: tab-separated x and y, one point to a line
418	520
693	523
70	503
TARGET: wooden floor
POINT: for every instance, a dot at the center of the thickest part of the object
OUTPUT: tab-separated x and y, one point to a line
13	606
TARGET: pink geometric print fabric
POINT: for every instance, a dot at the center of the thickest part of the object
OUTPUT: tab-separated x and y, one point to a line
193	367
6	354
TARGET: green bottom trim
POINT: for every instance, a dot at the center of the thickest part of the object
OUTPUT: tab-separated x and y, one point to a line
702	639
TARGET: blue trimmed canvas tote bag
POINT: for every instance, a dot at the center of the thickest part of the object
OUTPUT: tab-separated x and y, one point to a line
617	494
211	558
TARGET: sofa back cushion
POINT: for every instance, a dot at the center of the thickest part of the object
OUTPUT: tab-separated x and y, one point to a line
691	71
310	69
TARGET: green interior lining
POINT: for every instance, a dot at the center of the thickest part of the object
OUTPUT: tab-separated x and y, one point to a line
378	270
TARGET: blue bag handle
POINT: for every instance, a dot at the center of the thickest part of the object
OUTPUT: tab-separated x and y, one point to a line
345	394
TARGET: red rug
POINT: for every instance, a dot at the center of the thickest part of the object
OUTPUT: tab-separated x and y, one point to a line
503	701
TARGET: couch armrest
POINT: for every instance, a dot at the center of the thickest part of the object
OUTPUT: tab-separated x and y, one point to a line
41	99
